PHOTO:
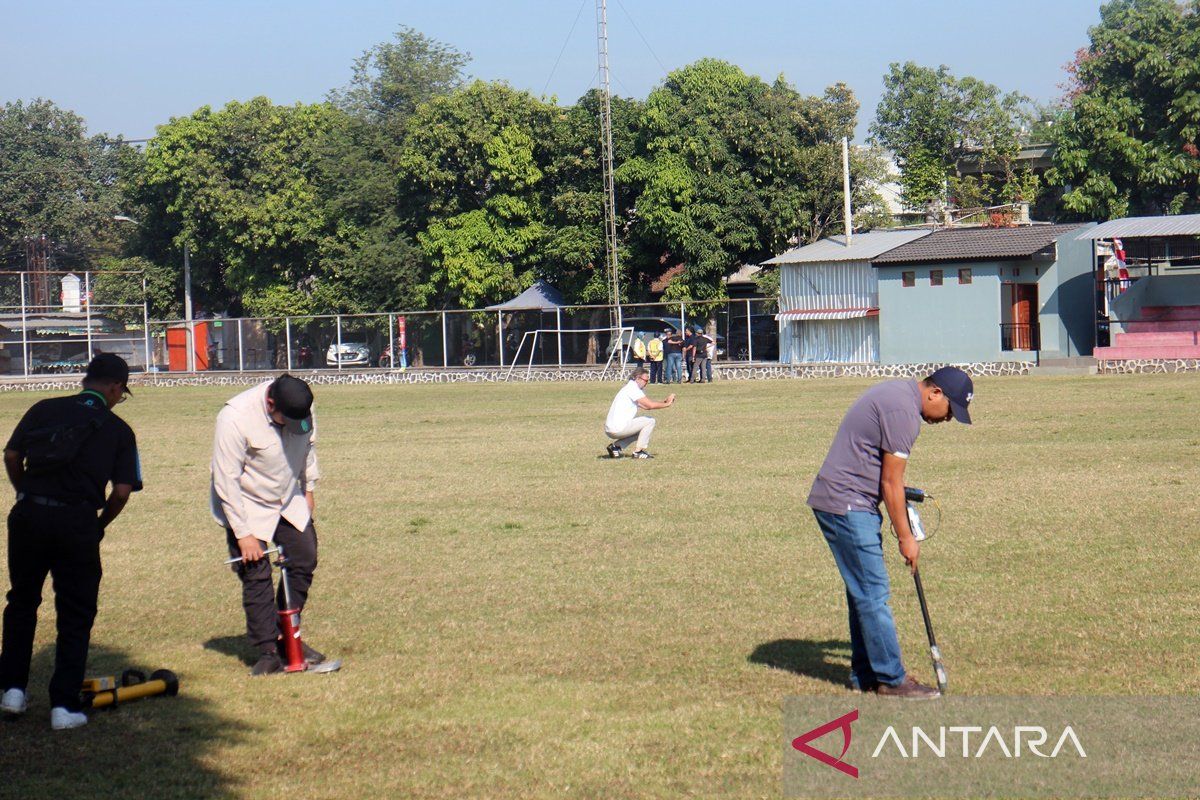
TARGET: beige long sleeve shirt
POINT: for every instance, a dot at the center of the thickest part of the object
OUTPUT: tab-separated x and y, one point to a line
260	472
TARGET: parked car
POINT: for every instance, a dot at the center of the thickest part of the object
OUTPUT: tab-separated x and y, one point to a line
652	326
764	333
348	354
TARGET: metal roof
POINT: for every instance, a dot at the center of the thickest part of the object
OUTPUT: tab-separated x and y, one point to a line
863	247
976	244
1142	227
539	296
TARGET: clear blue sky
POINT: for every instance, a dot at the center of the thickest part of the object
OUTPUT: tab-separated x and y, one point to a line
129	66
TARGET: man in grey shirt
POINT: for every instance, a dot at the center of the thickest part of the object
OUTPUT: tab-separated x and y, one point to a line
865	466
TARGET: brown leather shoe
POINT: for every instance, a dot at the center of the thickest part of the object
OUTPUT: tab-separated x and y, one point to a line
909	690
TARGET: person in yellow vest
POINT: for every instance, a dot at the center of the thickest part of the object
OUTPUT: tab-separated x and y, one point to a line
639	351
654	351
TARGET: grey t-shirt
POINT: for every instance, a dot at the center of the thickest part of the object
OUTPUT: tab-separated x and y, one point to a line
885	419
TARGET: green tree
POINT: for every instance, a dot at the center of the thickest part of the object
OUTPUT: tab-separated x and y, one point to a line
730	168
57	181
472	172
1127	144
930	119
239	187
370	262
393	78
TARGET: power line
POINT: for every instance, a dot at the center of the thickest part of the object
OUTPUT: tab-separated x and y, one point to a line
643	38
564	46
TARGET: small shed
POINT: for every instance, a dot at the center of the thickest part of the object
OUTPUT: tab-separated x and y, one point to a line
829	298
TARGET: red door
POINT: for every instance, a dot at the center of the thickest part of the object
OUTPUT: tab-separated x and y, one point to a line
1024	312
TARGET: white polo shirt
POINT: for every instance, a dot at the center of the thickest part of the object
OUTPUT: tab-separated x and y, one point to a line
624	407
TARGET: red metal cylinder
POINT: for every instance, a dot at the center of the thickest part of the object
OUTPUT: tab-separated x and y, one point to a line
289	625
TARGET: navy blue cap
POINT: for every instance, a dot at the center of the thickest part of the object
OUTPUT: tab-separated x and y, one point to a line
958	388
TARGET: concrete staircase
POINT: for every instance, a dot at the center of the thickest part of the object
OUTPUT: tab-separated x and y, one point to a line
1075	365
1162	332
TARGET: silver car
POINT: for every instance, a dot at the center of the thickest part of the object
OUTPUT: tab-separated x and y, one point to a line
348	354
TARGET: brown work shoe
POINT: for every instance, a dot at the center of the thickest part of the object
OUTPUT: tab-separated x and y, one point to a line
909	690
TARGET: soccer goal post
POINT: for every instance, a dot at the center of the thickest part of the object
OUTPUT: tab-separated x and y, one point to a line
617	347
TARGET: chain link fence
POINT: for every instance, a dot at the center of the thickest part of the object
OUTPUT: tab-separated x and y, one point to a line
55	323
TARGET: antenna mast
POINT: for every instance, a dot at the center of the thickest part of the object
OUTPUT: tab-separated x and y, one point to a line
610	191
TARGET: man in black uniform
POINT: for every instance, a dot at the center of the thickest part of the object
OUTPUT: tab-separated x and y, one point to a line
60	458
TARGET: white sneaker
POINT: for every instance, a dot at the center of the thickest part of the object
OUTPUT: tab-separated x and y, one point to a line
13	702
61	719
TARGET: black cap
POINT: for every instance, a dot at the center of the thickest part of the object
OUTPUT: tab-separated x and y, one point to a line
958	388
109	367
294	400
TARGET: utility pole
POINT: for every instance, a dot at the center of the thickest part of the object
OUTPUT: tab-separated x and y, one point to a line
610	191
187	309
846	189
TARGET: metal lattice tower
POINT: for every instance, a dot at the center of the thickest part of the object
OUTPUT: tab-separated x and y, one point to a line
37	265
610	191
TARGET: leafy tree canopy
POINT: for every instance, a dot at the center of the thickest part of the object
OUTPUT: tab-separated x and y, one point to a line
930	119
1128	142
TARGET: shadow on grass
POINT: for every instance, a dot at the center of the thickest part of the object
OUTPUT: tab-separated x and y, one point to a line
160	747
826	660
235	646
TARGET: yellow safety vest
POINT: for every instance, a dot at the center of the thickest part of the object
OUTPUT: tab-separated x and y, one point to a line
639	349
656	352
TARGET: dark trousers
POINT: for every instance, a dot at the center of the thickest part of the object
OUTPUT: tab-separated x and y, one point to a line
260	599
64	542
656	372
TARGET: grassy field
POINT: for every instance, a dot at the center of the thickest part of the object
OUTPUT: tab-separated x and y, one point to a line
521	618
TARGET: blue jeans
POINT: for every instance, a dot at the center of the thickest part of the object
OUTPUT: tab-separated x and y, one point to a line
856	540
674	367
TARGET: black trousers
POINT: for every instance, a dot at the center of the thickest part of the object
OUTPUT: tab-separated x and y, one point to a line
64	542
260	599
656	371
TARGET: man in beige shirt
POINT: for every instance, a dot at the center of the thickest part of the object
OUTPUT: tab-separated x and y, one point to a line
264	471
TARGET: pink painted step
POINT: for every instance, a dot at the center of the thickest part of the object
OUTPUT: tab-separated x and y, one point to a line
1153	352
1146	326
1156	338
1171	313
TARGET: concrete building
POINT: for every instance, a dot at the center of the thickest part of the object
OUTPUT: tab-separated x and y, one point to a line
986	294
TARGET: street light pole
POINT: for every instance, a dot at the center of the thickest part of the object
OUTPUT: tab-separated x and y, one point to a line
187	308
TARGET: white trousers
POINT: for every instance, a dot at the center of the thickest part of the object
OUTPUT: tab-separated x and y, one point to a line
640	430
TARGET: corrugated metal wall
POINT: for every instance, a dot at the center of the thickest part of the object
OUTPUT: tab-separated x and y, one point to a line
840	341
847	284
834	285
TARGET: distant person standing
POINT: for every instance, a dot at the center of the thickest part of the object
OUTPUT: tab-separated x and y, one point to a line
865	466
689	353
60	459
674	350
639	351
712	355
624	425
654	352
701	344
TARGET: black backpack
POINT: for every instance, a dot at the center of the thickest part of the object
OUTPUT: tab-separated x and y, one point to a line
55	446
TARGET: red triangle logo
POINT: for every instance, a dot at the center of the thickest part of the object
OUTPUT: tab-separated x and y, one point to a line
843	722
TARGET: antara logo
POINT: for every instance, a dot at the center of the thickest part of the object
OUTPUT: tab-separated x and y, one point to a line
1033	737
843	722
